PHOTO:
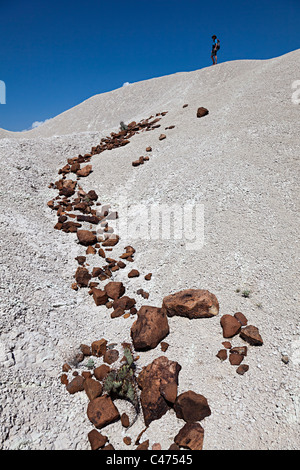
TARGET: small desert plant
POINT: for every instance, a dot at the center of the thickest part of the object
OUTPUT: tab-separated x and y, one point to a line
90	363
246	293
121	383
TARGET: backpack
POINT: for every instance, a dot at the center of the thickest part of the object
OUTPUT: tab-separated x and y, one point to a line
218	45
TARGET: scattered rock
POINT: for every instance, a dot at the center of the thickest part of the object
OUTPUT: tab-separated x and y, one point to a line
76	385
101	411
111	356
160	372
251	334
92	388
114	290
191	436
100	297
150	328
230	325
191	407
98	348
85	237
133	273
222	354
241	318
242	369
191	303
82	277
202	112
96	439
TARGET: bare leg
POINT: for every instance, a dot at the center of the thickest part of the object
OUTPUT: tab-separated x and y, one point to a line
212	57
216	59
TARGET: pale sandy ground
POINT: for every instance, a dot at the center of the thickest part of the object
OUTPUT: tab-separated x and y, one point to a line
241	163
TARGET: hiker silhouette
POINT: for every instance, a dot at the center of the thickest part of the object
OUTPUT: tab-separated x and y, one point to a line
215	48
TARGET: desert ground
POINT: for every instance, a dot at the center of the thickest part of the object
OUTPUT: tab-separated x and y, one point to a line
239	165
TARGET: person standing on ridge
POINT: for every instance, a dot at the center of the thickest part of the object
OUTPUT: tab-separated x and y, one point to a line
215	48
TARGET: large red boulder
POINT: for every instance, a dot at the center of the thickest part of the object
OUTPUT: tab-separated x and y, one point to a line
150	328
191	303
153	381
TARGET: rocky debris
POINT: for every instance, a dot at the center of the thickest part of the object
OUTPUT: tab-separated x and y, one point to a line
158	374
191	303
85	171
114	290
222	354
241	318
242	369
150	328
111	356
92	387
169	392
202	112
76	385
125	420
148	276
101	372
191	436
251	334
164	346
98	348
124	302
191	406
82	276
230	325
143	446
100	296
102	411
96	439
162	136
133	273
86	237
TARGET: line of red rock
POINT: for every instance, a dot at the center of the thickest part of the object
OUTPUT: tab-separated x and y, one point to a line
158	381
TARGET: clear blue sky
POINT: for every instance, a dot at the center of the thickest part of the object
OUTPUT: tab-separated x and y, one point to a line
55	54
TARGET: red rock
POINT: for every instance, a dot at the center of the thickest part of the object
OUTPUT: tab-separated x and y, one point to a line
118	312
150	380
111	356
85	349
85	171
191	303
242	350
114	290
101	372
251	334
164	346
96	439
242	369
169	391
150	328
222	354
202	112
111	241
235	359
101	411
133	273
98	348
230	325
76	385
124	302
162	136
82	277
191	406
100	297
66	187
125	420
143	446
191	436
92	388
241	318
148	277
85	237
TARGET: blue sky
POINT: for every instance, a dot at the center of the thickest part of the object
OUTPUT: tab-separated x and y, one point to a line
55	54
